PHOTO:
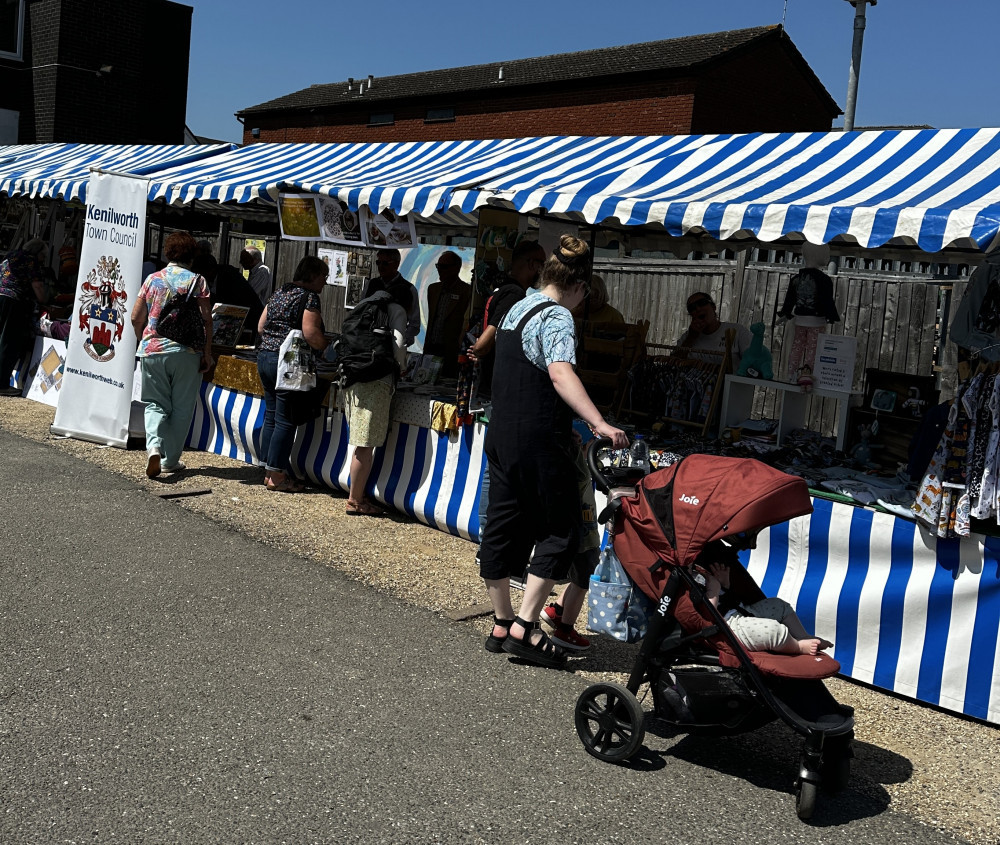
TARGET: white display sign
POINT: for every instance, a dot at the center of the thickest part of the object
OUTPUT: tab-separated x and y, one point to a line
834	366
96	391
46	370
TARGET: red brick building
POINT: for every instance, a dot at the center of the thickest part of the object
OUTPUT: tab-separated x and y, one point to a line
745	80
93	71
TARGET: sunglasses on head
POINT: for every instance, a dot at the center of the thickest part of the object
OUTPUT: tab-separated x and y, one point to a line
698	303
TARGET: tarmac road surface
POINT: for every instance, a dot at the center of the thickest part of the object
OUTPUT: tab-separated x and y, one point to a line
163	679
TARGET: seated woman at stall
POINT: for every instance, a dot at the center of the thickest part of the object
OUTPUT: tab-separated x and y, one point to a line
706	332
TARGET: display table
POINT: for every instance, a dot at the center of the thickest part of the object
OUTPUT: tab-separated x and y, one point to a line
737	404
428	468
906	611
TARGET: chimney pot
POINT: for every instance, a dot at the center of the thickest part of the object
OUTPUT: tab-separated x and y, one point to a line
371	78
500	75
350	83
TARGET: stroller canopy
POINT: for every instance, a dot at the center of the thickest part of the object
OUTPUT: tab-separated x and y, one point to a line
678	510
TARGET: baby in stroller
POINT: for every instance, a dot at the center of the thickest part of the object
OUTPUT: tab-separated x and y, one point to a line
769	624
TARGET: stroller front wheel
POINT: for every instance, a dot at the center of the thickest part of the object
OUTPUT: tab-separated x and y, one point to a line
805	799
610	722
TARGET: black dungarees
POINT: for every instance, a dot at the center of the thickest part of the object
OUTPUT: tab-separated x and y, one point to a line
534	497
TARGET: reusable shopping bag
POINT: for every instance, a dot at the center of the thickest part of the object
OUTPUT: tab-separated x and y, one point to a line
296	364
616	607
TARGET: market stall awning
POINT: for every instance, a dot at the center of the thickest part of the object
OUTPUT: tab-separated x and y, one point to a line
62	170
932	188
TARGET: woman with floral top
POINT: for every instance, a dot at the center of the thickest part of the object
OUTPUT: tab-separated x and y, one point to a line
294	305
21	286
171	371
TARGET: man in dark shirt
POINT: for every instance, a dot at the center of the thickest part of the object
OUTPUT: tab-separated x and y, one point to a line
525	267
447	304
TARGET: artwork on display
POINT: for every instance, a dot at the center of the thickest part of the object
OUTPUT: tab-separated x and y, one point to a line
425	368
884	400
417	267
387	230
353	290
45	372
338	223
227	323
299	217
338	262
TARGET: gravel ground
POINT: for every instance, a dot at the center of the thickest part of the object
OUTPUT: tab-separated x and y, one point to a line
931	765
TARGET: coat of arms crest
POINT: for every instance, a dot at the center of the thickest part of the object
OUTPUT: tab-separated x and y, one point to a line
102	308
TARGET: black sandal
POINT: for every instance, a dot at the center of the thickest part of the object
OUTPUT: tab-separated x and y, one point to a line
543	653
494	644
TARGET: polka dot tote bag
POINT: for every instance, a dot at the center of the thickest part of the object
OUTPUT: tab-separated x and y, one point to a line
616	607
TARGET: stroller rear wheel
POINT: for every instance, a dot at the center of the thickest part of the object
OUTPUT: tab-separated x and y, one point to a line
610	722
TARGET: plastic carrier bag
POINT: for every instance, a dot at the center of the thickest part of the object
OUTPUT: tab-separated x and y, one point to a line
616	607
296	364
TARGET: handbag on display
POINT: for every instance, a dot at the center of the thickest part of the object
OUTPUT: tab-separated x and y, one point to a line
181	320
296	363
616	607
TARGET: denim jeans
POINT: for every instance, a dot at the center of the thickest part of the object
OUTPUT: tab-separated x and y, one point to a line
278	433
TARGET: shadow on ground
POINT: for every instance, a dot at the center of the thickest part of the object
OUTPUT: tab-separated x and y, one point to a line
768	759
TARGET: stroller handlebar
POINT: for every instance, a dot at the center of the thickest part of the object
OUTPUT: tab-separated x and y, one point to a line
606	478
594	447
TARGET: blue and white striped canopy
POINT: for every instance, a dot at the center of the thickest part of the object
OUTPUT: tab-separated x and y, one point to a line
62	170
931	188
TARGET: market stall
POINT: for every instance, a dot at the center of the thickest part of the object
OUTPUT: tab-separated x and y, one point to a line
927	190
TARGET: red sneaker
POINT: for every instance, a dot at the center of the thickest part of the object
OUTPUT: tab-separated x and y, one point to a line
567	637
552	614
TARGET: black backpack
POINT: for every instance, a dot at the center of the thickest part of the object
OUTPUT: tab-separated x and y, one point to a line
366	350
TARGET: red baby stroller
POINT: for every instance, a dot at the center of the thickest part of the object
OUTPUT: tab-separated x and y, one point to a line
701	678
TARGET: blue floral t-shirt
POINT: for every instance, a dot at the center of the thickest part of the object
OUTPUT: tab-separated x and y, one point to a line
549	336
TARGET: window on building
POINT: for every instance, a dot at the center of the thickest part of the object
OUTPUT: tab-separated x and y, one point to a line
11	28
440	115
384	118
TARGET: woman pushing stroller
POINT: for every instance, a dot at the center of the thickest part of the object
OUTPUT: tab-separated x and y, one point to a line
534	499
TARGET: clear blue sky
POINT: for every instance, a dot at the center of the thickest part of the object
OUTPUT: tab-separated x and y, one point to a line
925	61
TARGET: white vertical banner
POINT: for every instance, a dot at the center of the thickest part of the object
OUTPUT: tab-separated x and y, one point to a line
96	393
